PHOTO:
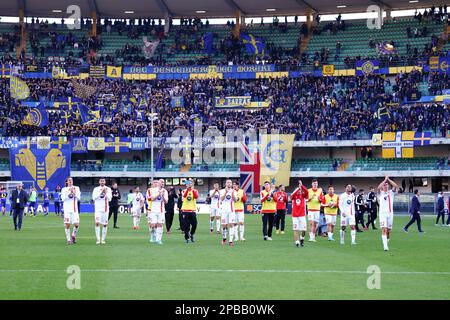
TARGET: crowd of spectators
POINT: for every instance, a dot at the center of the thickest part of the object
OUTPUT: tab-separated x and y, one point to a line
312	108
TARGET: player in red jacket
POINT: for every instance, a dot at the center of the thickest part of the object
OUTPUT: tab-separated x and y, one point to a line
281	198
299	197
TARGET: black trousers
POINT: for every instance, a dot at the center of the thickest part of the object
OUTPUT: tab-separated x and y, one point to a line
169	219
189	224
441	214
280	219
113	210
267	220
372	217
415	218
57	207
360	218
17	217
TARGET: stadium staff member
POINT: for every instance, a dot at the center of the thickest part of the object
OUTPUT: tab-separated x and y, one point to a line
170	208
189	211
268	209
114	204
414	210
440	208
19	199
371	201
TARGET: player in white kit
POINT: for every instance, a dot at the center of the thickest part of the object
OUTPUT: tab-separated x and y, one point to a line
101	195
137	204
386	209
159	197
214	208
70	195
228	215
347	207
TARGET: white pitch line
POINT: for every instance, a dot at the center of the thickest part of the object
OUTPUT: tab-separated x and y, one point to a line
233	270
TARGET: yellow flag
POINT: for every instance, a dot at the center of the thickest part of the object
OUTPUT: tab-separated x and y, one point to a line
18	88
398	144
328	69
113	72
276	155
96	143
377	139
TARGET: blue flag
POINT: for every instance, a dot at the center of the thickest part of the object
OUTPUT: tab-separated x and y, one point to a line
36	116
47	167
207	42
367	67
79	145
117	145
422	138
254	45
177	102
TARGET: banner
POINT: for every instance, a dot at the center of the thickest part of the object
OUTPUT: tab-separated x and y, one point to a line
367	67
79	145
236	102
254	45
96	144
398	144
138	143
249	167
149	47
96	71
440	64
36	116
377	139
251	68
18	88
5	71
117	145
328	69
47	167
207	43
177	102
276	155
422	138
82	90
9	142
113	72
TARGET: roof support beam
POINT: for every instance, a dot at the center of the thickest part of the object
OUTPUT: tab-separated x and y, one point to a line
22	6
303	2
233	5
93	6
163	6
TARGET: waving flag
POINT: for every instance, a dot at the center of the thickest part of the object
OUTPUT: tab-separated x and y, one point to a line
82	90
18	88
36	116
207	43
250	167
254	45
422	138
5	71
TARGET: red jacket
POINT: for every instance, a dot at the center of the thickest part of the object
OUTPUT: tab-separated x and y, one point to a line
281	199
298	198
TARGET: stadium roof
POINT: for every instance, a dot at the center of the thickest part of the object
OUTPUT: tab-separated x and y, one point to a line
199	8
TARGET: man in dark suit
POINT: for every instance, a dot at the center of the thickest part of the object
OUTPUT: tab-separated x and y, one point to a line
114	204
414	210
19	199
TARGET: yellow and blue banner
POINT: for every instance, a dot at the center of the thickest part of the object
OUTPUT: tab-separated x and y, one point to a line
96	144
46	166
177	102
117	145
18	88
238	102
276	154
254	45
79	145
398	144
36	116
440	64
367	67
113	72
5	71
422	138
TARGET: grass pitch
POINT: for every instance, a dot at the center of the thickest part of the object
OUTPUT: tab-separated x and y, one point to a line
34	262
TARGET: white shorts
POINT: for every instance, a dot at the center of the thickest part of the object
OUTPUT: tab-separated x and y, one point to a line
71	217
214	212
156	217
314	216
331	219
101	217
386	220
299	223
240	217
136	213
228	217
348	220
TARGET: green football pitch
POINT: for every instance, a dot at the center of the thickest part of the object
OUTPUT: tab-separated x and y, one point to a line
34	263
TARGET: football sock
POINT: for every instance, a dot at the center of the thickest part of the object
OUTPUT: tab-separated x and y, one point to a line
224	233
353	235
236	232
104	232
97	232
330	235
385	241
159	233
211	224
68	234
342	236
75	231
242	229
218	224
231	233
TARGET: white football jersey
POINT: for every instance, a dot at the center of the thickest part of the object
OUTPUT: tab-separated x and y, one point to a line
158	203
136	203
227	204
101	202
215	198
386	200
347	203
70	197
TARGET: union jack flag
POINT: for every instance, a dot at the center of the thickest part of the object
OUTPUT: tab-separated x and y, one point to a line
249	169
